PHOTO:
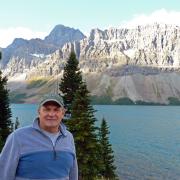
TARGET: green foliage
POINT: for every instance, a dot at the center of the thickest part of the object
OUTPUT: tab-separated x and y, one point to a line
82	125
36	83
5	112
1	143
101	100
82	122
106	153
124	101
148	103
104	100
71	80
107	100
16	124
173	101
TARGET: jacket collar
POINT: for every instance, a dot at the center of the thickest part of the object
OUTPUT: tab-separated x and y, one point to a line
62	127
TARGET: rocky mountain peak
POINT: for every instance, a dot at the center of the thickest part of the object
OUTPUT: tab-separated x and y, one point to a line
31	49
62	34
96	34
17	43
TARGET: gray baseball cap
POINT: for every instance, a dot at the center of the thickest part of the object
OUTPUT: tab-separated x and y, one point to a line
52	97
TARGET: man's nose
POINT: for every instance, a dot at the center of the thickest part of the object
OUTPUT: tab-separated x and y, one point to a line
51	113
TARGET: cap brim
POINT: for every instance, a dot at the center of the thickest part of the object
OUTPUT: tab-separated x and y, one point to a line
51	100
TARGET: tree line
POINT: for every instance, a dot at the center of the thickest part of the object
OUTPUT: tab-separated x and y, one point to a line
6	124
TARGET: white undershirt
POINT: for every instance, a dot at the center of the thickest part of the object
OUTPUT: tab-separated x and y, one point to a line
52	136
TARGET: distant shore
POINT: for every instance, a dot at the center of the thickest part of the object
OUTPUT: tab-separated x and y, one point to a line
105	100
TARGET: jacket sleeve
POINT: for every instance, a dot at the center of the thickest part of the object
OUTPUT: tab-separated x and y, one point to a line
74	171
73	175
9	158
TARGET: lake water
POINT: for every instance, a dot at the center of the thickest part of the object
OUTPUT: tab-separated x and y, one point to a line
145	139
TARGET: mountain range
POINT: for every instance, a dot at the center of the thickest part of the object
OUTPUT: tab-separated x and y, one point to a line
138	65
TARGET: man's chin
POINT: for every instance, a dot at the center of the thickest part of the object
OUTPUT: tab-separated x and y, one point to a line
52	124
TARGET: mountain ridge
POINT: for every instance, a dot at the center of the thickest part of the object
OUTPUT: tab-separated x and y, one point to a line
22	48
140	64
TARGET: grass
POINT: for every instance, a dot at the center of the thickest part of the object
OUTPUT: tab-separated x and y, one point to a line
36	83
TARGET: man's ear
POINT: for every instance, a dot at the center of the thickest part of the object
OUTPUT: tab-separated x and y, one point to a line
64	111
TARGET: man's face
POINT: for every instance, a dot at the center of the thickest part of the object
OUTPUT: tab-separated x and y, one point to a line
50	116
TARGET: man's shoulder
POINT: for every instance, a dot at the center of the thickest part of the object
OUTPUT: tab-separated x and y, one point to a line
20	132
69	134
24	129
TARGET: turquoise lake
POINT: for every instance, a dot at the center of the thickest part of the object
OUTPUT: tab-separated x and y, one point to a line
145	139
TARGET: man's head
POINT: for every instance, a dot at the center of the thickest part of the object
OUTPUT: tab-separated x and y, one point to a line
51	112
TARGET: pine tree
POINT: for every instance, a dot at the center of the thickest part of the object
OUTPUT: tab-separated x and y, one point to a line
106	153
16	124
5	112
71	80
82	122
1	143
82	125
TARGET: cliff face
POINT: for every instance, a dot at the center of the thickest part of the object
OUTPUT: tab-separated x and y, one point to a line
155	45
37	49
141	63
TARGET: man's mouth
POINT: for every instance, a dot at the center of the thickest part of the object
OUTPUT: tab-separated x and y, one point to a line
51	119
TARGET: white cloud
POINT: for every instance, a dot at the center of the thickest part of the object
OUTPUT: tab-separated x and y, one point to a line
159	16
8	35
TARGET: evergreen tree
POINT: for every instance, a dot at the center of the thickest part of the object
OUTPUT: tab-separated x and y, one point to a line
16	124
71	80
106	153
1	143
5	112
82	125
82	122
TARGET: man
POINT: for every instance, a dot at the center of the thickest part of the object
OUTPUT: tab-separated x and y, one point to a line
44	150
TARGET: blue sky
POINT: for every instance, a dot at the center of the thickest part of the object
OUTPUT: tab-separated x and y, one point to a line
40	16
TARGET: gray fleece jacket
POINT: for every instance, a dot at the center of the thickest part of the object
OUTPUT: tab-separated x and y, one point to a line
30	155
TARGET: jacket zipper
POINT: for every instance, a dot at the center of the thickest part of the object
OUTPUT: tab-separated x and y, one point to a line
54	149
54	152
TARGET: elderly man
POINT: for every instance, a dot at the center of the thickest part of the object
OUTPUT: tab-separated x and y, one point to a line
44	150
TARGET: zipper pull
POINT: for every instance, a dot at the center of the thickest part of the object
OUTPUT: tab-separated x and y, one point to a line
54	153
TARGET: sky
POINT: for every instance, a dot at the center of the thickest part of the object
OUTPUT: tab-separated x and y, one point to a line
36	18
